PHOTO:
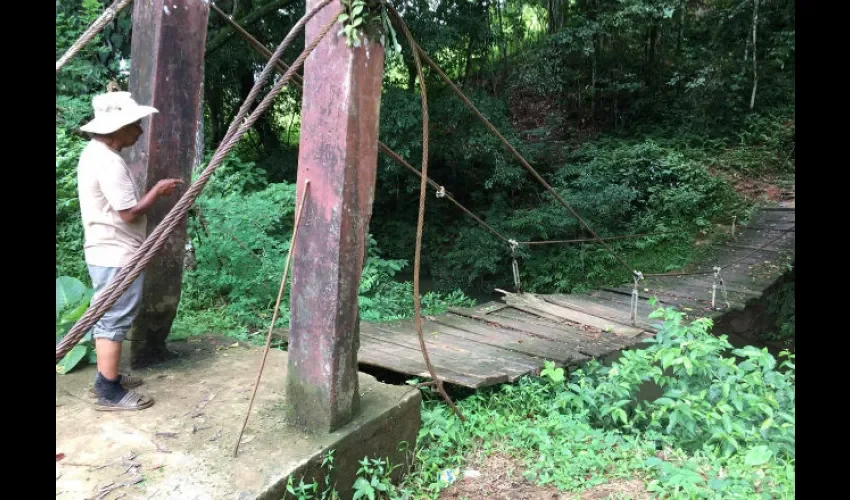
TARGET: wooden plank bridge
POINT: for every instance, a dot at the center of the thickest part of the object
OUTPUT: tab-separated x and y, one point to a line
496	342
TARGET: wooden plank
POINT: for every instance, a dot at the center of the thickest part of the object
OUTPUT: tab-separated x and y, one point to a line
486	358
582	318
609	311
777	209
666	298
511	339
769	249
403	359
442	359
500	352
439	353
685	298
578	341
698	291
703	282
579	334
644	309
757	238
410	362
741	293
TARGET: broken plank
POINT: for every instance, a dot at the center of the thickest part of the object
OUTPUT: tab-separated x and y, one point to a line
410	362
486	358
607	311
446	360
621	303
603	340
582	318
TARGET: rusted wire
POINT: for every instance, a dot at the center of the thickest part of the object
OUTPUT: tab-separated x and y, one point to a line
105	18
154	242
417	307
591	240
274	315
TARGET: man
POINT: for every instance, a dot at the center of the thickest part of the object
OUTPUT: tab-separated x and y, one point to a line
114	223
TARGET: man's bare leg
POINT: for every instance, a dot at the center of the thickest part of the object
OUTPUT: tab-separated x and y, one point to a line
108	356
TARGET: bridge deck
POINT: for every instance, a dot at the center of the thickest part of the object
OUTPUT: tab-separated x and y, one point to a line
499	342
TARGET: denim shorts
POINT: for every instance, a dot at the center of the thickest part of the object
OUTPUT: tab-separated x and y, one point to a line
117	321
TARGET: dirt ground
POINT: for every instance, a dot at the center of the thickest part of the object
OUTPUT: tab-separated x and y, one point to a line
500	477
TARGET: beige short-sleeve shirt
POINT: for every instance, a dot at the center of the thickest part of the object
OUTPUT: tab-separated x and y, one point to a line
105	186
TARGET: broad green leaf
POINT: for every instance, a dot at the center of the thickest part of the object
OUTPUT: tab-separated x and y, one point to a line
72	315
72	359
727	423
758	456
69	291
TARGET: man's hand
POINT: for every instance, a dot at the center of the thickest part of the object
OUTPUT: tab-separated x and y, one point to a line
166	187
162	189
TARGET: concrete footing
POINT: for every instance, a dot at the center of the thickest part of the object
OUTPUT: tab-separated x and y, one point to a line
182	446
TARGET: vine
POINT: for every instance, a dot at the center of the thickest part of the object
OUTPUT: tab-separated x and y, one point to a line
369	19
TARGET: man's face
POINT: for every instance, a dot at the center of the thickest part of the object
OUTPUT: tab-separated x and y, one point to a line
130	134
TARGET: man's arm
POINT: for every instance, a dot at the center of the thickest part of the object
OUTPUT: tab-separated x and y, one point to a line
162	188
117	187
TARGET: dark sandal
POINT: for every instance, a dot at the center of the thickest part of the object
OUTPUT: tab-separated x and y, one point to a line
127	382
132	401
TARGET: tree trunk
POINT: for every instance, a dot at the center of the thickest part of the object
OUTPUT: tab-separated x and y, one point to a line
681	34
652	43
596	48
503	40
468	65
755	62
555	13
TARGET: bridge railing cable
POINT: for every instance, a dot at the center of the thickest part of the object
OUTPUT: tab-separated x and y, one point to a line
282	68
517	154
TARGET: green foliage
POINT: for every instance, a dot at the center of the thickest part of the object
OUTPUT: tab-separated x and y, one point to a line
72	301
364	18
241	241
591	427
373	480
69	227
714	398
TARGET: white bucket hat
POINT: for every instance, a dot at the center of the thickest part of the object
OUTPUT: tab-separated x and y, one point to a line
114	110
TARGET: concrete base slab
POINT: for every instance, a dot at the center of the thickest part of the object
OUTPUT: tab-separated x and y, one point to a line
181	448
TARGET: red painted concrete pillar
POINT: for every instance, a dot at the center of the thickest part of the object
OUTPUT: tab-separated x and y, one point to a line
338	154
167	60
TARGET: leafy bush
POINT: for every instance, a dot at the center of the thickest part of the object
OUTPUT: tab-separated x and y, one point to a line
241	243
72	301
715	398
724	427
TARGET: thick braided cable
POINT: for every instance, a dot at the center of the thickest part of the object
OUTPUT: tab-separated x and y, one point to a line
105	18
